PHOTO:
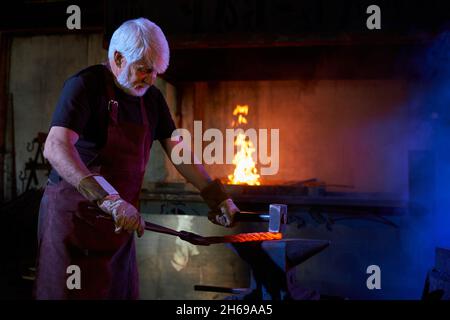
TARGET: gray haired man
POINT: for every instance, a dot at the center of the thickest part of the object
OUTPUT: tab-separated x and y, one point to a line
105	122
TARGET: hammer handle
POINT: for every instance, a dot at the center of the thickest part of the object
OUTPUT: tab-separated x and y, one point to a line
250	216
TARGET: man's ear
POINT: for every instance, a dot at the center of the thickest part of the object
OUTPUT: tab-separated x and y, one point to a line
118	59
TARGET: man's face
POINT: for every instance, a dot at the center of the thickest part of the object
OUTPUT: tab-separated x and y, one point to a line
135	78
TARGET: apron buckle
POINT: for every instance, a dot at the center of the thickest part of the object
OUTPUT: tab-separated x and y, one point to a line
113	103
113	107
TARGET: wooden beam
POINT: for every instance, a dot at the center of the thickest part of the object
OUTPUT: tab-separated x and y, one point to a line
242	41
5	50
293	63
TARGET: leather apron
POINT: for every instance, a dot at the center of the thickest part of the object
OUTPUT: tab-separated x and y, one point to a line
73	231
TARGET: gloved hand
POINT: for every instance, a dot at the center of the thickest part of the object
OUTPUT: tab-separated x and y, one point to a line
224	216
222	207
95	188
125	215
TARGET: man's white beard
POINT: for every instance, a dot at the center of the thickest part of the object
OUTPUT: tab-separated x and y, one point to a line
124	81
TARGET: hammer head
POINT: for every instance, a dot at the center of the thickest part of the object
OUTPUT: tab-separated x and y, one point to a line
277	217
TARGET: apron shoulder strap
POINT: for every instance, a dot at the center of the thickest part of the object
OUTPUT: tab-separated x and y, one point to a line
113	105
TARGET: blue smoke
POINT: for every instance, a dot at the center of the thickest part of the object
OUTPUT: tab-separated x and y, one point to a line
428	223
435	100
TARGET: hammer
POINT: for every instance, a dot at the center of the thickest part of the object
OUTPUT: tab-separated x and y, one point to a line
277	217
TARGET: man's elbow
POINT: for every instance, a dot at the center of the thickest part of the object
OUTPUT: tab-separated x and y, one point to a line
51	149
60	141
47	150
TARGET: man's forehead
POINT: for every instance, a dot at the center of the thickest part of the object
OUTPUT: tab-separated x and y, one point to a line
149	61
146	57
142	63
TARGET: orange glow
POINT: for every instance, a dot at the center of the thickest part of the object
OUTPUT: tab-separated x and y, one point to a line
247	237
245	171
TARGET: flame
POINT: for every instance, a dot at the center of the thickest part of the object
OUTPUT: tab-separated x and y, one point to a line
245	171
240	112
243	110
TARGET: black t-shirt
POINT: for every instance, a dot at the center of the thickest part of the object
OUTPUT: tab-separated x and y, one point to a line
82	107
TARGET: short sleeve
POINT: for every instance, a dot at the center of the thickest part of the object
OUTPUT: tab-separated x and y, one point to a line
165	124
72	110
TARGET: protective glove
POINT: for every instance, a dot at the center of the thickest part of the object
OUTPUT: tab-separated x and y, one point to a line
124	214
224	216
222	207
96	189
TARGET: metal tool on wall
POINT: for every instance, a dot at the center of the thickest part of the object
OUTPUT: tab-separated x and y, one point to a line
33	165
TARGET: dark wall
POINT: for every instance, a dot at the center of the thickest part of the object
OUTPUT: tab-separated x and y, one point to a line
207	17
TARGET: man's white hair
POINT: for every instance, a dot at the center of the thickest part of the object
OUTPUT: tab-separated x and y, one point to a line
141	39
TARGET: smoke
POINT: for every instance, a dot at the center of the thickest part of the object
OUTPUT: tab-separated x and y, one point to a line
434	108
416	134
427	225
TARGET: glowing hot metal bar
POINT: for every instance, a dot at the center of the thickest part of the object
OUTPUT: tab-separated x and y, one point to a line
246	237
206	241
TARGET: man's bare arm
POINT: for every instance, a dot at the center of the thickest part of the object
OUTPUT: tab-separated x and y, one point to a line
194	173
222	206
63	156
